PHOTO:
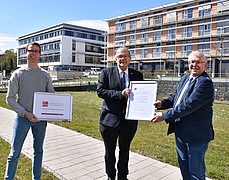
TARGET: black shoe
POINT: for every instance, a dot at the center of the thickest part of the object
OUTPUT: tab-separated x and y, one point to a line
122	178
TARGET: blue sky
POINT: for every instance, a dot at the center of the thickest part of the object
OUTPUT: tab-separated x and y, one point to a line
21	17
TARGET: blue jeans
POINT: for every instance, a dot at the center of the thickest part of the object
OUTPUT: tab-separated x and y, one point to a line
20	131
191	159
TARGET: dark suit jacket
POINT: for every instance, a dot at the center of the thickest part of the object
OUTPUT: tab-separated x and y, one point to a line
109	88
194	110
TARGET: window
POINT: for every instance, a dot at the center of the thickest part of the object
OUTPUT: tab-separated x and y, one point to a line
170	50
186	32
73	45
73	57
120	26
171	33
132	38
204	46
133	24
187	14
133	54
157	35
57	46
204	29
51	47
145	21
186	48
144	52
120	39
205	10
156	51
157	20
144	37
223	27
68	33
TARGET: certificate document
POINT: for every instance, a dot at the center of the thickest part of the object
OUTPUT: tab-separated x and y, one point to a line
142	97
52	106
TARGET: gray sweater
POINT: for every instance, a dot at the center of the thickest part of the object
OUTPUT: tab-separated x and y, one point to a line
23	83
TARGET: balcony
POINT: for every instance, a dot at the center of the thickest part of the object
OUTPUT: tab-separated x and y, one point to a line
156	54
170	54
144	40
184	54
186	34
157	22
204	33
132	41
144	55
157	38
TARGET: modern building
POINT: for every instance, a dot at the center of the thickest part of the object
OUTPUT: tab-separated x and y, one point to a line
66	46
161	38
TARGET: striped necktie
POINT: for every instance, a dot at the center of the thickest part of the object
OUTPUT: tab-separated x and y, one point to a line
123	80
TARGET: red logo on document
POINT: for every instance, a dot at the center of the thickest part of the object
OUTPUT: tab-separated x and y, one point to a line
45	103
135	89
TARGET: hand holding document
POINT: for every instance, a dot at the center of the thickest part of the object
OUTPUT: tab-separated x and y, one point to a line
52	106
140	105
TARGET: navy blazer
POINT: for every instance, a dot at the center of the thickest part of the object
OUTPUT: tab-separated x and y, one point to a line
110	89
194	112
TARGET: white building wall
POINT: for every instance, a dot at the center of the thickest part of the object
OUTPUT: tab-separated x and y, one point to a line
66	51
80	53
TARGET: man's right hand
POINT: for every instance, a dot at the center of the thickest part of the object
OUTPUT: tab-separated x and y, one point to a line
126	93
31	117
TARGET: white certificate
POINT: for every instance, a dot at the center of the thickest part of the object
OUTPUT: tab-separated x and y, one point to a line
142	97
52	106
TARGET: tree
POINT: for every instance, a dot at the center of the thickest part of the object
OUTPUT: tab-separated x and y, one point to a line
9	61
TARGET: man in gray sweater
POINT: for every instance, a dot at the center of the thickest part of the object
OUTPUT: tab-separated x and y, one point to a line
23	83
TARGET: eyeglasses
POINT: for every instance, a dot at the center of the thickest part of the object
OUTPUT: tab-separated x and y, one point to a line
121	56
34	51
196	62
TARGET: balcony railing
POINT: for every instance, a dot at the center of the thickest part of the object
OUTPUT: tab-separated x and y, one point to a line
143	40
156	54
144	55
157	22
185	53
170	54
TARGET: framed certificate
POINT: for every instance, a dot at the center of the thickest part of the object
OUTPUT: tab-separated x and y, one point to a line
142	97
52	106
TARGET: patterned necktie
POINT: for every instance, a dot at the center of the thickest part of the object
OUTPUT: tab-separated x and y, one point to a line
123	80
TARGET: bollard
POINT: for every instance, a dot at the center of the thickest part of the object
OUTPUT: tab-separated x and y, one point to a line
89	87
95	87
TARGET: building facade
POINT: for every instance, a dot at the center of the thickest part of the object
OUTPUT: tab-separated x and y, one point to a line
66	46
161	38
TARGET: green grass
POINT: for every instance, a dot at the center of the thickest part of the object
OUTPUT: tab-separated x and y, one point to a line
24	170
151	139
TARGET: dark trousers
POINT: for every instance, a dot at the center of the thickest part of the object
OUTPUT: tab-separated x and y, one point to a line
124	134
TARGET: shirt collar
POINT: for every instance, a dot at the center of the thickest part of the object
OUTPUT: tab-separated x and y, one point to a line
120	71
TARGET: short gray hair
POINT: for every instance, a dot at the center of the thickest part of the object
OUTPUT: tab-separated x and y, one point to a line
122	47
199	54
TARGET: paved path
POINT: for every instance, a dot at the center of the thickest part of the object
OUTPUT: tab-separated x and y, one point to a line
73	156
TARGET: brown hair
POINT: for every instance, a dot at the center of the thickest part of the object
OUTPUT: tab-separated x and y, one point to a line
33	43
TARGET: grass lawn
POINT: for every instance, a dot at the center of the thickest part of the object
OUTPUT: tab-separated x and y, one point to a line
24	165
151	139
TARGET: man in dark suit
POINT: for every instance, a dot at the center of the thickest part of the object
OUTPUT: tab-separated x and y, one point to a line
190	117
113	88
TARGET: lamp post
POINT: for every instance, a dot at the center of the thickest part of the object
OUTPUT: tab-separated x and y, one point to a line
1	58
